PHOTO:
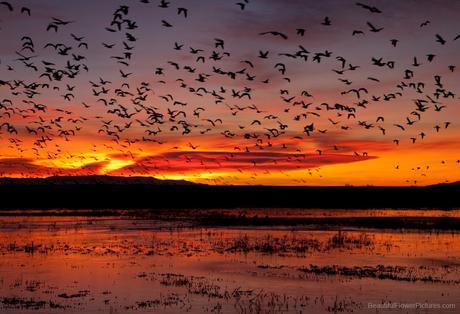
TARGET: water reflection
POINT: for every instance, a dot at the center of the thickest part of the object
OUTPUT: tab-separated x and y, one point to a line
119	264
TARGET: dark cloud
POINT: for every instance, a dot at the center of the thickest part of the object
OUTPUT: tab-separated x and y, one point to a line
26	167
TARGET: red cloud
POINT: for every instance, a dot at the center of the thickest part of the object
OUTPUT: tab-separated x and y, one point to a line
180	162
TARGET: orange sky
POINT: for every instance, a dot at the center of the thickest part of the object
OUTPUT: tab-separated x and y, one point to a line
207	130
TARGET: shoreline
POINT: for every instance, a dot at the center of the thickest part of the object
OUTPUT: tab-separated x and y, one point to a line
300	219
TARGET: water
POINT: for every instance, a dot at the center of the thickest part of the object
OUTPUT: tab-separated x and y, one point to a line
119	264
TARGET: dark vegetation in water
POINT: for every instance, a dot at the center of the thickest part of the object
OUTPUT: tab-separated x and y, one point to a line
419	223
398	273
28	304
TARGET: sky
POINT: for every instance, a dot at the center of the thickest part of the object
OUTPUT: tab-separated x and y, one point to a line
350	93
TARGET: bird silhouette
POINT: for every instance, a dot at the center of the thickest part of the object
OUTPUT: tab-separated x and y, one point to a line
374	29
369	8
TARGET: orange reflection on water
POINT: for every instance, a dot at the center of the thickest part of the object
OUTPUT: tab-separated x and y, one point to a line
114	264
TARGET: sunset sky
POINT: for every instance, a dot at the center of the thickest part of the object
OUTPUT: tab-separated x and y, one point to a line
224	115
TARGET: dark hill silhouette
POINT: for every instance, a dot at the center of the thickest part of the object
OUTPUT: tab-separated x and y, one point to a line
456	183
104	192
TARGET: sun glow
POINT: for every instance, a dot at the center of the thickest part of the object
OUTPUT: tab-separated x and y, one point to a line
115	164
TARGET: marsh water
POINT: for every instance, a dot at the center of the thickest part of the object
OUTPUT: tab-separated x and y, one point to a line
174	263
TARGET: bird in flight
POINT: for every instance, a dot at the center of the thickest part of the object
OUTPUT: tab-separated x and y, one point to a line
369	8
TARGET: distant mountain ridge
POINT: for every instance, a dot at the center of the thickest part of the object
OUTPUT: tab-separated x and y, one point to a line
96	179
120	180
447	183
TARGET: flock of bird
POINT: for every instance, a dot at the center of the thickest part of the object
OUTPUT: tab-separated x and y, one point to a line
132	111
